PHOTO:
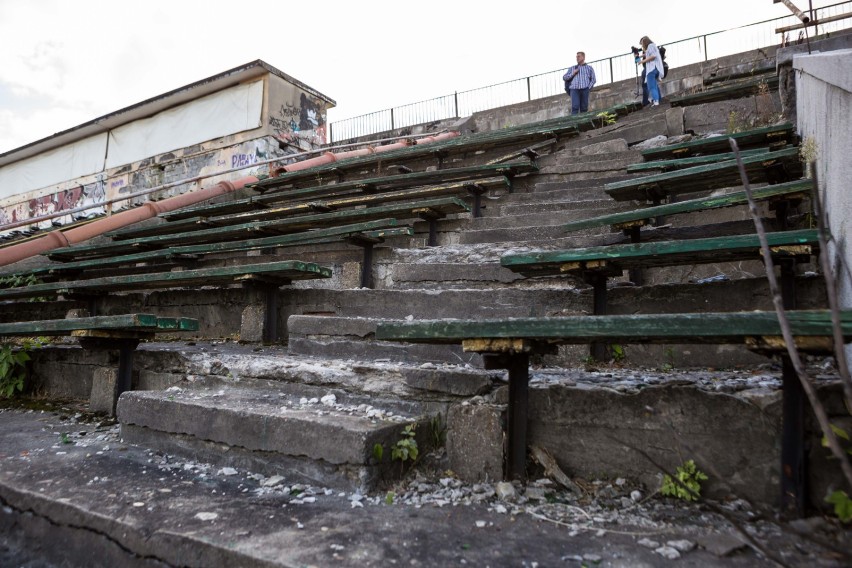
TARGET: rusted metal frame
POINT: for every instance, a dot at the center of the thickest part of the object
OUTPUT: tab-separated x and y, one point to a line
529	152
817	22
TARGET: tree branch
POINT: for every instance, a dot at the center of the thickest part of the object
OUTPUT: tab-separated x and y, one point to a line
807	385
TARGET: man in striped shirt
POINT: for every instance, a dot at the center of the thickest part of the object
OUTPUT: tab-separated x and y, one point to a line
579	80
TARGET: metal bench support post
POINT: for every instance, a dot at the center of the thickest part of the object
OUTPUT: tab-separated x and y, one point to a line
367	266
270	313
635	237
519	379
124	381
598	281
433	232
793	480
518	365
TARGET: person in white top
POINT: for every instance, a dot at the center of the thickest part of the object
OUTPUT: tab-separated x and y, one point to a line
653	68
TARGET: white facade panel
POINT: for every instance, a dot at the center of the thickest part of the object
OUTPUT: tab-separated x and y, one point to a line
82	158
227	112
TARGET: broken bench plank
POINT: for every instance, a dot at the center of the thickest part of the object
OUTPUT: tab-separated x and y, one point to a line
789	190
778	166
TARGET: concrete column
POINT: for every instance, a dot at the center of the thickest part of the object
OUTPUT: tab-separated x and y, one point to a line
824	112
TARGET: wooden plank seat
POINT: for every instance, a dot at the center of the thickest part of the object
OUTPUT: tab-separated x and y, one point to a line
508	344
773	167
761	68
190	254
274	191
366	235
517	135
631	221
279	272
680	163
267	277
729	91
595	265
189	215
231	227
118	332
748	139
614	259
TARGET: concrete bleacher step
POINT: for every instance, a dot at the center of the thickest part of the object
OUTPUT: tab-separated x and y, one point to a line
544	184
428	302
579	209
522	235
353	338
588	167
306	434
523	218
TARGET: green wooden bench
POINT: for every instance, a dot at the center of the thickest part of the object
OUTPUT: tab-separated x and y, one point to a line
595	265
630	221
762	68
267	277
365	235
773	167
517	135
235	227
680	163
122	333
193	218
508	344
274	190
748	139
729	91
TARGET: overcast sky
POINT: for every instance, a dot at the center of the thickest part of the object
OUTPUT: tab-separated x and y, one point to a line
67	62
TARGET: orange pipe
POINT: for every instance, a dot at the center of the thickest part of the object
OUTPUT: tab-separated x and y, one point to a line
58	239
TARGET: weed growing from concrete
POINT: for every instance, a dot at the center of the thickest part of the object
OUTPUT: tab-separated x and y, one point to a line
405	448
688	484
13	366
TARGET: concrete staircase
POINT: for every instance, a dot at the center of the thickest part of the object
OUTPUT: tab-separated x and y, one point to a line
326	432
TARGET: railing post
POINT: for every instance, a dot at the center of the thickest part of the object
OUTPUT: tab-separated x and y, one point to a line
706	57
330	132
611	74
392	127
529	92
456	99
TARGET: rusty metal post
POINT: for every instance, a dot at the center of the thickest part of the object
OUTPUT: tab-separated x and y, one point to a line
519	379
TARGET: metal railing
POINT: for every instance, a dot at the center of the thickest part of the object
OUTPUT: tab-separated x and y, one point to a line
609	70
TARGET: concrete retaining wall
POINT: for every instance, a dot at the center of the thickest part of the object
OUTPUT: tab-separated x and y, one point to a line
824	110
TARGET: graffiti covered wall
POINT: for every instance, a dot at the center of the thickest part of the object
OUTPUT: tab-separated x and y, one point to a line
296	118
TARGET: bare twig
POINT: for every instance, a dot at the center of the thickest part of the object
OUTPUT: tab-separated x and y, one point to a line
831	290
786	527
750	540
786	331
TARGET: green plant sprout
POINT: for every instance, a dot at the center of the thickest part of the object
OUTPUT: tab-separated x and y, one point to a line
689	486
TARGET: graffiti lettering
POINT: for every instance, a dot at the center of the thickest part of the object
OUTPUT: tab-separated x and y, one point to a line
243	160
289	110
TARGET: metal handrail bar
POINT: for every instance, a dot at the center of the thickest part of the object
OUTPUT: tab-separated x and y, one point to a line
389	112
